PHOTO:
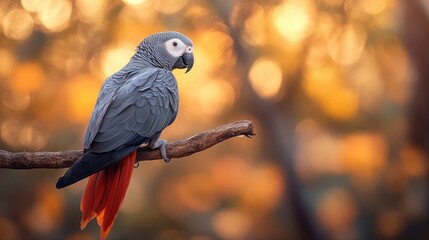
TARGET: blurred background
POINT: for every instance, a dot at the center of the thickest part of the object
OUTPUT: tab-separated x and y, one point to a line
338	91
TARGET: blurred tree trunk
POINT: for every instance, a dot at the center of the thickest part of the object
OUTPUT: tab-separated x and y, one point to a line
278	131
416	35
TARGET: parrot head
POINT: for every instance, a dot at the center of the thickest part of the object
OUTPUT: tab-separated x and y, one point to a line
169	50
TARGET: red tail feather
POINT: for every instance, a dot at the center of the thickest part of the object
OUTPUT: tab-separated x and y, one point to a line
104	194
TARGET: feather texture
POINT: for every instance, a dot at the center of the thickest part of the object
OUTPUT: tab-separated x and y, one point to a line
133	107
104	194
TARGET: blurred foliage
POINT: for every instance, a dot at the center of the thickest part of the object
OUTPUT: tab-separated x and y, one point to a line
327	84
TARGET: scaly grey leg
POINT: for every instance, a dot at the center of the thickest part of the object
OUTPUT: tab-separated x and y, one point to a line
161	145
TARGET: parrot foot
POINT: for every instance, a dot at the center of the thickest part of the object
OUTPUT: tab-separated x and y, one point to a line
161	145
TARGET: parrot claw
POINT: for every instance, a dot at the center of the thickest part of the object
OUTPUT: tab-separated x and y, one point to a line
136	164
164	151
161	145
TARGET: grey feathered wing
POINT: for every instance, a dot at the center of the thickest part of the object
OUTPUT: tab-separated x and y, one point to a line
129	112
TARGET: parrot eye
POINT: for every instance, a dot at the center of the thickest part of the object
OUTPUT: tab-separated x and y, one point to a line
175	47
189	49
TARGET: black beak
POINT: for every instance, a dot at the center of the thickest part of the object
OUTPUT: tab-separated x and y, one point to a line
185	61
188	60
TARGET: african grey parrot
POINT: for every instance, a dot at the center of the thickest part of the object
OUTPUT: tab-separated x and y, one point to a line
133	107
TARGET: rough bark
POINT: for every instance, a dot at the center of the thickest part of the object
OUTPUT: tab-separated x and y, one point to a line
178	149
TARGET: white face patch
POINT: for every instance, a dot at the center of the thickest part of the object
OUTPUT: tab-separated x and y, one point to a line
176	47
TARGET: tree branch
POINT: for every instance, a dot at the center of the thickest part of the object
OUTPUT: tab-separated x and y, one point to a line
178	149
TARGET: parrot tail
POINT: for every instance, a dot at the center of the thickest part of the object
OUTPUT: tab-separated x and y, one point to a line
104	194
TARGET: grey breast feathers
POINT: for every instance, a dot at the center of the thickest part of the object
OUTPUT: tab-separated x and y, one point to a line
134	112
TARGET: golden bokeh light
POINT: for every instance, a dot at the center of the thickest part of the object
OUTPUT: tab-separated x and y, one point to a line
366	79
47	212
363	155
317	150
167	193
130	18
346	46
7	62
392	55
169	6
17	24
265	189
324	84
27	77
294	19
255	27
231	224
113	58
216	44
133	2
196	12
373	7
196	193
192	192
81	93
26	136
19	134
230	175
343	104
16	101
333	3
136	199
266	78
216	97
8	132
34	5
320	81
55	15
317	56
91	11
